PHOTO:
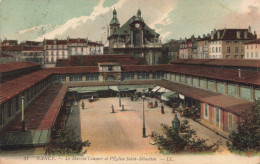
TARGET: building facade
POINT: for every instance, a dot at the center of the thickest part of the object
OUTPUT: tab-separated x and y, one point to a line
229	43
171	49
203	48
187	48
62	49
252	49
135	38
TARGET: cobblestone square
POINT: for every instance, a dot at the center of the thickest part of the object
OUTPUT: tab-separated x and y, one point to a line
121	132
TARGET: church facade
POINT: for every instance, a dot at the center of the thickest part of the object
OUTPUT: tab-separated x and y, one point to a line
135	38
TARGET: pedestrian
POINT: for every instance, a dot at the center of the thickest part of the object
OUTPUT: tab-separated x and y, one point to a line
162	109
82	105
155	104
113	110
173	109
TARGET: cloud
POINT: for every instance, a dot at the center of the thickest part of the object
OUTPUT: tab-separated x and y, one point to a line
243	18
95	26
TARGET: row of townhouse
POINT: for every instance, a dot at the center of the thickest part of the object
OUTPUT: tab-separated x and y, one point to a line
49	51
222	44
62	49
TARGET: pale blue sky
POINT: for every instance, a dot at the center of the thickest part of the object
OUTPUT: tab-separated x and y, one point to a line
38	19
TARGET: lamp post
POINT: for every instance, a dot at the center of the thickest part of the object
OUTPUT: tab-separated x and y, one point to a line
119	95
23	123
144	135
176	123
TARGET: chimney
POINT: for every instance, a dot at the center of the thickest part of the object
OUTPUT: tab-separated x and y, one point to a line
255	35
239	73
218	35
245	35
212	35
238	34
204	36
23	123
249	29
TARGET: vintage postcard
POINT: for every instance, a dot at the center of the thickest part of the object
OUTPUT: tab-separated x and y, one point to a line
130	81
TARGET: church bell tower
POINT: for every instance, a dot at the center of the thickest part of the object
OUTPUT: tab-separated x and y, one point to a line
114	23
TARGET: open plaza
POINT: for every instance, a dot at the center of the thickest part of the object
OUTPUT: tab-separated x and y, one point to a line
121	132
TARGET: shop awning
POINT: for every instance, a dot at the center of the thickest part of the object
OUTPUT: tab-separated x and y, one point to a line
123	88
167	95
156	88
89	89
161	90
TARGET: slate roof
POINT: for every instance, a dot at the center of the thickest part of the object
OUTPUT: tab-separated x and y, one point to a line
125	29
231	34
257	41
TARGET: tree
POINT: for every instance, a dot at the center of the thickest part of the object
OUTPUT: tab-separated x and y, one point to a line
181	140
65	142
247	136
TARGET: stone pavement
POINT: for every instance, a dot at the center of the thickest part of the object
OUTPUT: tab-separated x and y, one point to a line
121	132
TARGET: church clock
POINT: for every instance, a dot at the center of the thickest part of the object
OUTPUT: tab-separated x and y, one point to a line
137	25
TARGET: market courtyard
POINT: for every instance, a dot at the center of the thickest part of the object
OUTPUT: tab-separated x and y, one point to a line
121	132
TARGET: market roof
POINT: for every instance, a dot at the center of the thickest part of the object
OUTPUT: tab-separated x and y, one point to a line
41	114
8	67
11	88
219	62
225	102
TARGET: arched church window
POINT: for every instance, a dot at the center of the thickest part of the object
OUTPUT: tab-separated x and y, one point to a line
137	37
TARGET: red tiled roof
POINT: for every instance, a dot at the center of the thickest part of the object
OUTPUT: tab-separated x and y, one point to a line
42	112
51	42
12	48
8	67
9	41
33	48
11	88
6	56
73	70
219	62
257	41
93	60
32	43
247	77
145	68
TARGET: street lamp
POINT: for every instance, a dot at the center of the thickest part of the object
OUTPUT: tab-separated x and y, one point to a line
143	97
176	123
23	123
119	80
